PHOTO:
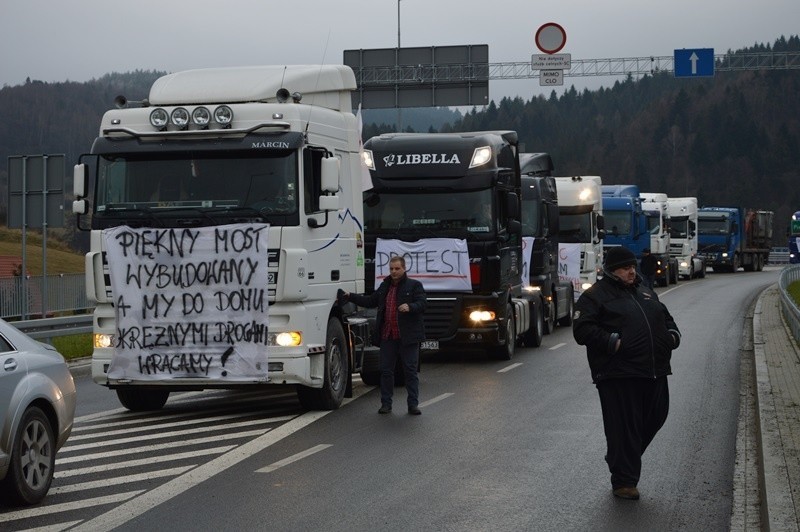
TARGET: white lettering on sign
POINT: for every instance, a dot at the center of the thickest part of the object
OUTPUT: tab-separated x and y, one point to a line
278	145
189	303
440	264
420	158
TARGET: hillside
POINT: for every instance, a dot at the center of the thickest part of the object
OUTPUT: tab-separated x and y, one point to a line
60	259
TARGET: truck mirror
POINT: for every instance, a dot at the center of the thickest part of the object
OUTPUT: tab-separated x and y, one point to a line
512	206
79	206
329	203
330	174
79	180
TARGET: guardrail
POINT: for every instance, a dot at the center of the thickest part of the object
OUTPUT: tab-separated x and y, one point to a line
52	327
791	312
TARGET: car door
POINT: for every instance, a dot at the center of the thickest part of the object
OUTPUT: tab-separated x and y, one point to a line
12	370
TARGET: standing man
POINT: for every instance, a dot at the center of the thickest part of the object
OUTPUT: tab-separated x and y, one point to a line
629	337
648	267
400	329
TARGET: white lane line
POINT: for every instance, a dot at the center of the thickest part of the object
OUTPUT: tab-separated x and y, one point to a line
295	457
116	481
184	423
435	399
509	368
37	511
57	527
157	447
162	435
562	344
142	461
135	507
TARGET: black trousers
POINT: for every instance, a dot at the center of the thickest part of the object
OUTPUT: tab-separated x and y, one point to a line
633	412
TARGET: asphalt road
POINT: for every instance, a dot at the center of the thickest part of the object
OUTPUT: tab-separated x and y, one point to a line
500	446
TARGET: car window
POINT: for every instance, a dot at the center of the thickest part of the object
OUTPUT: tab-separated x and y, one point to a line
5	347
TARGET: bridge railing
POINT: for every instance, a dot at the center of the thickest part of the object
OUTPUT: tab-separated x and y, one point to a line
791	312
41	296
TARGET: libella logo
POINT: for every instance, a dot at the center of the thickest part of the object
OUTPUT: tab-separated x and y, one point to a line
420	158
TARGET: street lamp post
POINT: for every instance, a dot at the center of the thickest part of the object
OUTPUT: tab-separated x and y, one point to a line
398	23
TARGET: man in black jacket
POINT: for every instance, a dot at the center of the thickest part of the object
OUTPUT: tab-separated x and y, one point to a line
629	337
401	303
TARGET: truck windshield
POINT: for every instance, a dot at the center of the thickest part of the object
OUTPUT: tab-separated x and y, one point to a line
679	229
454	212
617	222
575	228
712	227
654	224
530	217
150	181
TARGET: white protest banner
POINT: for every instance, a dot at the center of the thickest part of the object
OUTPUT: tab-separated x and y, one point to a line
189	303
527	249
569	265
440	264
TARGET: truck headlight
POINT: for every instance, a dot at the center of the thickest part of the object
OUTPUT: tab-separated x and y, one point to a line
586	286
481	315
223	115
287	339
103	340
180	117
201	116
159	118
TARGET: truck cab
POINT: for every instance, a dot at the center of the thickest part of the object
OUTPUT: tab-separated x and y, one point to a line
656	209
581	230
624	218
683	237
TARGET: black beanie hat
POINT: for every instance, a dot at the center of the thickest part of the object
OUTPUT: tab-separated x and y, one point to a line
619	257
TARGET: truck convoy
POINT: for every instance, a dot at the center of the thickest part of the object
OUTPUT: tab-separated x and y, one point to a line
683	237
731	237
581	231
225	212
656	209
794	238
450	204
540	227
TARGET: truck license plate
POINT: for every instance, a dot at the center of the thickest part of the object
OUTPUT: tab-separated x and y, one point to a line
430	344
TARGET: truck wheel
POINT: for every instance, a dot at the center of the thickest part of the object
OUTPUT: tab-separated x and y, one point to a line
336	372
550	317
533	337
566	321
142	400
506	352
32	459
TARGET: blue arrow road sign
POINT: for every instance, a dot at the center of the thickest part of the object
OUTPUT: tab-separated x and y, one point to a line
694	63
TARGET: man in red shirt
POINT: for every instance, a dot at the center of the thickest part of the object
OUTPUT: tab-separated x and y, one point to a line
401	303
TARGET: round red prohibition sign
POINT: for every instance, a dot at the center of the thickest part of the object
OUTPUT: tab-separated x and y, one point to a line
551	37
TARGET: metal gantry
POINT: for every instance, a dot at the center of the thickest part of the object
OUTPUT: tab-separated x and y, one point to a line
636	66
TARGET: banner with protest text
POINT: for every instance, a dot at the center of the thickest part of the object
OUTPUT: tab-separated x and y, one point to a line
440	264
569	266
189	303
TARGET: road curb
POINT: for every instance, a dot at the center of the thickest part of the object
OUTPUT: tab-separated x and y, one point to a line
777	507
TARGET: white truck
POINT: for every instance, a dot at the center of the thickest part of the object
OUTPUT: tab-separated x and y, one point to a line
580	217
225	212
656	209
683	237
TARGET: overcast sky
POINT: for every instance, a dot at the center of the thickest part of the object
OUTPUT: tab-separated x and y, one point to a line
77	40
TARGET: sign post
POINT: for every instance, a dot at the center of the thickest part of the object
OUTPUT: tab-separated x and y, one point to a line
550	39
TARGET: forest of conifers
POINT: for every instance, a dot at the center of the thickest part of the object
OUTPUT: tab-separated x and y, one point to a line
733	139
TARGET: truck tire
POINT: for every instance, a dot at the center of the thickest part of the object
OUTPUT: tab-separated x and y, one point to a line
506	352
533	336
32	459
371	378
137	400
336	372
550	317
566	321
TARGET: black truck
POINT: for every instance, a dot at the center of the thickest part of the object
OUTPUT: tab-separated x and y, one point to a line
436	192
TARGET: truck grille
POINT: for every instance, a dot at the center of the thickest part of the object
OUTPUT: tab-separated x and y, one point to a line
440	317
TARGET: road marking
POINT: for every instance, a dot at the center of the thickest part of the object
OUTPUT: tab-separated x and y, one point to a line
116	481
509	368
67	506
299	456
139	505
435	399
195	421
57	527
562	344
142	461
157	447
162	435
